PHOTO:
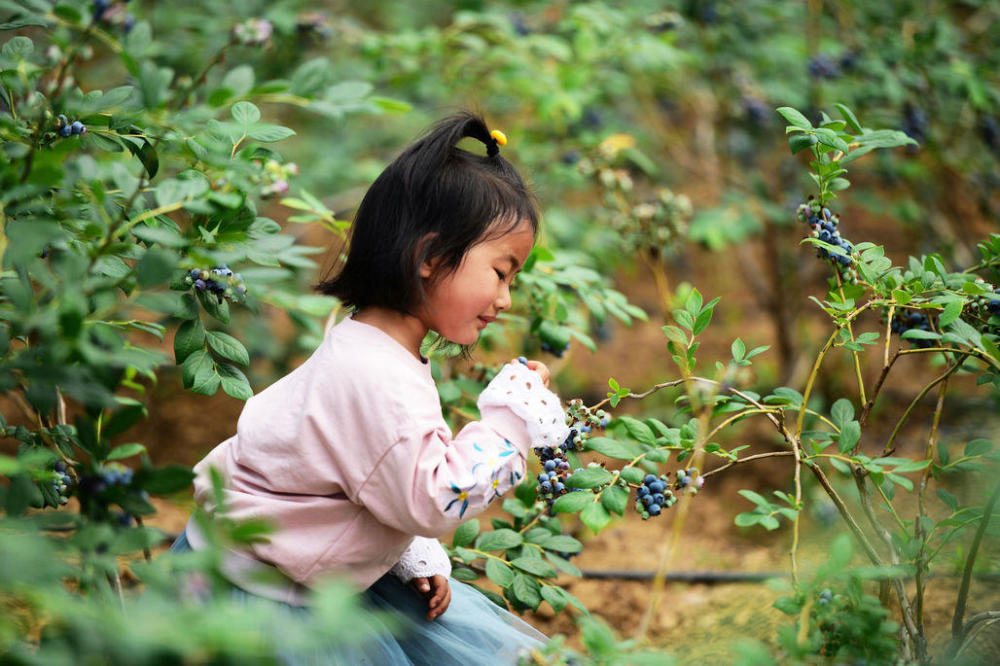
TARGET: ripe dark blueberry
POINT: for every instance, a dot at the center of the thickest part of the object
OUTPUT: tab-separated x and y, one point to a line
647	500
658	498
649	479
542	478
822	67
643	491
522	360
65	131
559	487
60	466
550	465
200	284
545	487
77	127
657	486
654	509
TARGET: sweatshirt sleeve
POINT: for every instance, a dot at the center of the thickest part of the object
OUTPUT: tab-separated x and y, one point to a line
428	482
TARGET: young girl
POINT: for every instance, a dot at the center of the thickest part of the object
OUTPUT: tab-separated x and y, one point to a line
349	455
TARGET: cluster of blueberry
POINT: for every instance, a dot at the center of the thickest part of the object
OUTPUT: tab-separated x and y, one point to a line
253	32
904	321
656	494
220	281
112	13
582	419
65	128
824	226
653	495
314	24
825	597
93	491
550	481
276	176
914	123
689	480
546	347
61	485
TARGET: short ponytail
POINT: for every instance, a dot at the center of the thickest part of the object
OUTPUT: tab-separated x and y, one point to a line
435	191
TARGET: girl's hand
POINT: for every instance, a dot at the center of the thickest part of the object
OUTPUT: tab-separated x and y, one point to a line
541	369
438	592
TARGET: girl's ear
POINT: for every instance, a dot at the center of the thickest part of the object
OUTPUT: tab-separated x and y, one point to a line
429	266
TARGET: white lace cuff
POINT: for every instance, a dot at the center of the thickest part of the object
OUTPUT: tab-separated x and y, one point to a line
522	391
425	557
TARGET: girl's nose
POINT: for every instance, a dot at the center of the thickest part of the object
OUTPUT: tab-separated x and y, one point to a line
503	301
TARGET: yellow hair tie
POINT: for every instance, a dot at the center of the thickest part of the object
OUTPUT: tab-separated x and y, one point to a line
499	137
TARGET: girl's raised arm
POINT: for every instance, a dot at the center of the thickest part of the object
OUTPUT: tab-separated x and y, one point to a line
429	482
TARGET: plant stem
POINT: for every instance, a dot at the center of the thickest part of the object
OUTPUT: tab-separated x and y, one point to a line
957	629
920	396
918	524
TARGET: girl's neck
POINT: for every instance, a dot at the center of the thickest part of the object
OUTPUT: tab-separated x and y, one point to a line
405	329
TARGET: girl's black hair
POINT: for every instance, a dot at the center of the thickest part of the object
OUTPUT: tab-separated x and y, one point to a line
435	201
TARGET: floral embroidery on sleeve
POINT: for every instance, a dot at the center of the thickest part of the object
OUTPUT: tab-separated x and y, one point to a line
493	473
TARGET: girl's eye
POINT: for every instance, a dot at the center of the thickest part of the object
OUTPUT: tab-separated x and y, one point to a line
500	274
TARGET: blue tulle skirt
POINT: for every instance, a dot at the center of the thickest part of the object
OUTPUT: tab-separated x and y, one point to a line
473	630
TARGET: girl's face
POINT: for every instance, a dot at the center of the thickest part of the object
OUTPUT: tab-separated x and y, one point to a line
461	304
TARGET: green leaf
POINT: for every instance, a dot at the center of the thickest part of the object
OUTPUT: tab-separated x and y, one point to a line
555	596
794	117
632	474
799	142
951	312
788	605
595	516
126	451
572	502
196	366
638	430
615	499
850	434
613	448
155	267
165	480
499	573
228	347
501	539
589	477
534	565
977	447
269	133
756	498
245	113
746	519
562	543
842	412
852	120
190	337
234	382
466	533
464	573
527	590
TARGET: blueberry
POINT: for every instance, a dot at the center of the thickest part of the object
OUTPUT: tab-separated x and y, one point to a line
545	487
60	466
65	131
559	487
659	498
199	284
654	509
77	127
657	486
522	360
649	479
642	492
550	465
542	478
647	500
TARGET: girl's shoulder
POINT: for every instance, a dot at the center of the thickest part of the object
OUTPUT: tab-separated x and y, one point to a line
364	355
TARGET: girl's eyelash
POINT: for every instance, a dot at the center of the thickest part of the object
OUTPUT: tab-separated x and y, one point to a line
500	274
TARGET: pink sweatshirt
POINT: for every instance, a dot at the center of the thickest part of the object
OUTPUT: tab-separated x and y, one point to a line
349	457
